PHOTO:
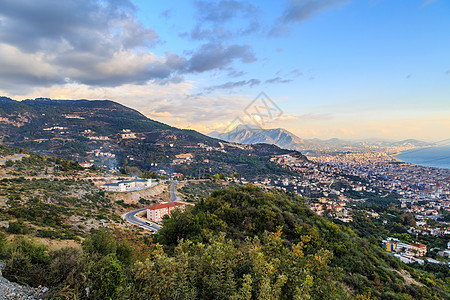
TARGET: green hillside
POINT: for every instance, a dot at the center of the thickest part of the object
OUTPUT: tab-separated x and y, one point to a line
237	243
283	224
240	243
83	130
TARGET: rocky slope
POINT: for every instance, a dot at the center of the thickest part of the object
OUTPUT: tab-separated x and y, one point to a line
11	290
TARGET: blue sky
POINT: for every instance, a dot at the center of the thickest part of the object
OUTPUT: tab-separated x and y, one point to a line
336	68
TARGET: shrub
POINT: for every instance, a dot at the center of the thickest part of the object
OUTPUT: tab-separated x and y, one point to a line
107	278
17	227
26	262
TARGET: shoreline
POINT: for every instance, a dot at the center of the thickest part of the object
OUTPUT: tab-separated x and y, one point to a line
420	164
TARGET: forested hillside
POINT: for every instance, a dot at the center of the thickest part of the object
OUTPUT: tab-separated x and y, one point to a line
247	214
239	243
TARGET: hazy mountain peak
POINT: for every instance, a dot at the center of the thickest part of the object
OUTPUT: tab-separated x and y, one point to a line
251	134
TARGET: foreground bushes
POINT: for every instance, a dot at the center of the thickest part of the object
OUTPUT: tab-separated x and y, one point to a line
239	244
115	266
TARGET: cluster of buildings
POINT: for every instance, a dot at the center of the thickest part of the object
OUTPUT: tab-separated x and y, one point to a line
383	170
320	180
99	153
183	158
424	229
336	209
127	134
73	116
209	148
415	252
408	253
98	138
53	128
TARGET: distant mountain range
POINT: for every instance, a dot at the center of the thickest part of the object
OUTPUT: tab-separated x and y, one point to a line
112	135
250	134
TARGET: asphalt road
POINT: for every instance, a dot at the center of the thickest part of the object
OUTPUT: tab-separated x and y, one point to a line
13	158
173	195
131	217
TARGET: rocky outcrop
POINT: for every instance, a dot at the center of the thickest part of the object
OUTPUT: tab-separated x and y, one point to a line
11	290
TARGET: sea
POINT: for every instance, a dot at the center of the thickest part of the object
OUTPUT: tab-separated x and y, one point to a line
438	157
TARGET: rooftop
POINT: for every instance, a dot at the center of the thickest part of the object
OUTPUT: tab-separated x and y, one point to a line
419	245
165	205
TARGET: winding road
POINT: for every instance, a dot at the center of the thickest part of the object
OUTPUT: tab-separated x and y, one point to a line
173	195
13	158
131	216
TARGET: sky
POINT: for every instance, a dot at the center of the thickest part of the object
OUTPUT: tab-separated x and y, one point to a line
327	68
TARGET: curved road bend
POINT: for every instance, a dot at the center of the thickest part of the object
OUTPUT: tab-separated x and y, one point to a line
131	216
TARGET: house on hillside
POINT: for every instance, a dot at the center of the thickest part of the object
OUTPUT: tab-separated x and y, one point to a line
127	134
86	165
156	212
418	249
390	244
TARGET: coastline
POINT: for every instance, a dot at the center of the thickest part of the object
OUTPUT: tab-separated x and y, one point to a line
421	161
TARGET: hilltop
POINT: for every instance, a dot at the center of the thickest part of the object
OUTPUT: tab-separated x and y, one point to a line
114	136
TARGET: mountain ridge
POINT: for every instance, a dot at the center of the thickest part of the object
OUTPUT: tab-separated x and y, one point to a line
285	139
112	135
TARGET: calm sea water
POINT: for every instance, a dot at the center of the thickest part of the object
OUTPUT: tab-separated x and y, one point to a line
438	157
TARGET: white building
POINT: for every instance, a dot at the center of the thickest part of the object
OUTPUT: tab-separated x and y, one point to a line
128	185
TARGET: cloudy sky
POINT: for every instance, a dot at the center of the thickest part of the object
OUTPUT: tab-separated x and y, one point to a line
335	68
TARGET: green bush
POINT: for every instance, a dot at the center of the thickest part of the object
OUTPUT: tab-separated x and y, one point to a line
26	262
106	278
65	268
3	244
17	227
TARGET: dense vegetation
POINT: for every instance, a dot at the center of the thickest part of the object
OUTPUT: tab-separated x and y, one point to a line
194	191
239	243
239	213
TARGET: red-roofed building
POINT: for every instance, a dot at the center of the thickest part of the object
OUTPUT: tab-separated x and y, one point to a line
158	211
86	165
418	249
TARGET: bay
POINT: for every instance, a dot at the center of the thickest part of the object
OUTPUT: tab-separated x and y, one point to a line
438	157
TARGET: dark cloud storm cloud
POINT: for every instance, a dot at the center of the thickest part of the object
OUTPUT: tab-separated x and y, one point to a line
98	42
40	25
